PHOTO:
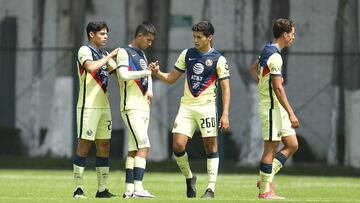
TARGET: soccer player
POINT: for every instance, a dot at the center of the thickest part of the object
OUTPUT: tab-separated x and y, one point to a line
93	109
204	67
136	96
277	117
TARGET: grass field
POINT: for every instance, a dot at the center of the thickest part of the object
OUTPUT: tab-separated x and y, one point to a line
57	186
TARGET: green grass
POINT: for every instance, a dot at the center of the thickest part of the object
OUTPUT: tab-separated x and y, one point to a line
57	186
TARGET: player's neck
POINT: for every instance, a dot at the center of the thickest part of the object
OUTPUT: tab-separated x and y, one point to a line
94	45
205	50
280	43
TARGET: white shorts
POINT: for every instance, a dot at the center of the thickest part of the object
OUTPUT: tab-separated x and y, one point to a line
137	122
189	118
275	124
93	124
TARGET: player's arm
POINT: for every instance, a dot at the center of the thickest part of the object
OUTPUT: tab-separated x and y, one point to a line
93	66
275	63
175	74
169	78
254	70
149	93
225	89
122	61
223	72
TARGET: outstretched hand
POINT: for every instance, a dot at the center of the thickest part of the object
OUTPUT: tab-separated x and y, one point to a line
114	52
154	67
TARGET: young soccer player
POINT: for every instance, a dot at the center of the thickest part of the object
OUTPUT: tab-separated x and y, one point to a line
93	109
277	116
136	96
204	67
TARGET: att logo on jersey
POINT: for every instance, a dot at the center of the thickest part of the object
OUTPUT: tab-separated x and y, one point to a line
198	68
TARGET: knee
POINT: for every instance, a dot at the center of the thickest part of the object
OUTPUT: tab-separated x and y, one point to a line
178	147
293	147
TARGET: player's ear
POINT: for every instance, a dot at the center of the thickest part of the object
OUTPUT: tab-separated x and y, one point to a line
91	34
211	37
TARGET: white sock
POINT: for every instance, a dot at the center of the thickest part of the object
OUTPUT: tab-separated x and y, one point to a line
78	176
183	163
212	168
102	176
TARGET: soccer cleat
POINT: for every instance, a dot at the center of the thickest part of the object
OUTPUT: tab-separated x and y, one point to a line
104	194
270	195
209	194
127	195
272	185
79	193
143	194
190	187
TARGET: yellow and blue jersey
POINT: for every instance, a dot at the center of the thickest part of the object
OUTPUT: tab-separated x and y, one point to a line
93	86
203	70
270	63
133	92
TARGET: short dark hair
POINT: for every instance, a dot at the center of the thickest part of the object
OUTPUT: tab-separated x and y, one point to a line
282	25
205	27
95	26
145	28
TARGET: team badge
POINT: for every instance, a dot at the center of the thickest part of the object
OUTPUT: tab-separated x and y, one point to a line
208	62
122	58
226	66
175	124
198	68
89	132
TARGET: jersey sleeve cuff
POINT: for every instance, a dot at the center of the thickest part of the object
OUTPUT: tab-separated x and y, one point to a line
183	71
224	78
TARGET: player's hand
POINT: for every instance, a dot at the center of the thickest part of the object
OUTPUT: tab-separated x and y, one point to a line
114	52
294	121
154	67
149	98
224	123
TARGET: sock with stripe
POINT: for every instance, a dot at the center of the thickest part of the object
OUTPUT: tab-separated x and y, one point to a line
265	174
139	170
129	172
183	163
277	164
78	169
102	171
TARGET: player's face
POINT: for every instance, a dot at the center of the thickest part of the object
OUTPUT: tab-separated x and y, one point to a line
146	40
99	38
289	37
202	43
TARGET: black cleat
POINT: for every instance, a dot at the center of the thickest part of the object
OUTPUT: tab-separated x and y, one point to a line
104	194
79	193
190	187
209	194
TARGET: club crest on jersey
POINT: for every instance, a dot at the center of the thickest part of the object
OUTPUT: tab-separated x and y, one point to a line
198	68
142	63
208	62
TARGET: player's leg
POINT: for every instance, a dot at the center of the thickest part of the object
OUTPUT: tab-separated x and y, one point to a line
184	127
205	117
86	119
211	149
288	138
270	148
138	142
290	147
270	133
129	174
102	142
